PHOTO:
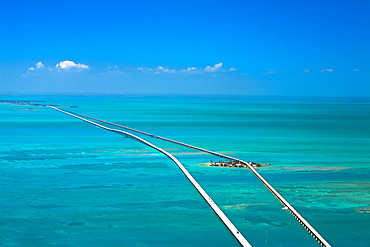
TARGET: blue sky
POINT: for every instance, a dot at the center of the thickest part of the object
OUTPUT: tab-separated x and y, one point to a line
313	48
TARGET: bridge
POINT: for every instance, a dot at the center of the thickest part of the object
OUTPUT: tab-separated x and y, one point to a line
211	203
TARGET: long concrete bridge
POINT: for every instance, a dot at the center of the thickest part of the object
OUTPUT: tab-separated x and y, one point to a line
315	234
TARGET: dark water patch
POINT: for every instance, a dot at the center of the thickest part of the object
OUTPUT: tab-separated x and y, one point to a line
316	168
77	223
318	176
100	187
262	221
95	167
187	204
128	206
135	165
349	191
48	206
92	187
123	172
27	157
70	173
143	175
43	151
113	166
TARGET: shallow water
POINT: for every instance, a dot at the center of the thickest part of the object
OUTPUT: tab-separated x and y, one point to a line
67	183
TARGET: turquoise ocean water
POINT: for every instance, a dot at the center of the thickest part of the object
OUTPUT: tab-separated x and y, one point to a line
64	182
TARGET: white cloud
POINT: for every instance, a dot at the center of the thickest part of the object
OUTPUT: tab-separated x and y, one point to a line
217	67
67	65
38	65
270	72
64	65
114	70
142	68
165	70
160	69
326	70
188	69
356	70
307	70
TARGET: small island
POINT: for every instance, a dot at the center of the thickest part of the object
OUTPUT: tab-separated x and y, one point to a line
233	163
